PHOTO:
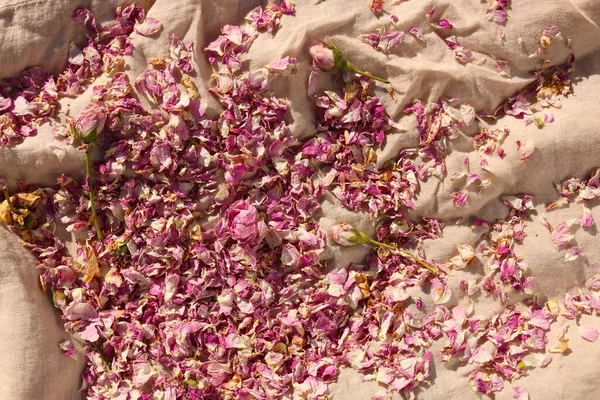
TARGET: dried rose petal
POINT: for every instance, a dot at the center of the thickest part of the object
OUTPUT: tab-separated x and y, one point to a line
416	32
497	11
561	235
443	24
519	393
503	68
376	6
526	150
586	220
573	253
589	334
149	27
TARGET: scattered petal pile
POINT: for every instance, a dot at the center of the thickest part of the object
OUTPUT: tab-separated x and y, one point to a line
199	268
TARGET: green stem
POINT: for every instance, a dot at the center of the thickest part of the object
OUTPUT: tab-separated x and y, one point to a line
423	264
102	356
10	205
346	66
88	171
375	78
406	254
384	245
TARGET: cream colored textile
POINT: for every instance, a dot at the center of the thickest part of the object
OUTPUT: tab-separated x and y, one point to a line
38	32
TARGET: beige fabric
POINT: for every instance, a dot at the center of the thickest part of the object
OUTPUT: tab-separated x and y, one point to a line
38	32
32	364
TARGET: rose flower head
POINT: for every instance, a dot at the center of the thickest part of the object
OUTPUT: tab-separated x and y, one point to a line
90	123
324	57
346	235
242	220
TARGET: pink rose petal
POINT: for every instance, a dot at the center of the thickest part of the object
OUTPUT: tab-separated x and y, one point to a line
573	253
561	235
519	393
589	334
149	27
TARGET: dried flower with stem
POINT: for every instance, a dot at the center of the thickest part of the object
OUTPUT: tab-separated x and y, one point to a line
347	235
327	57
88	128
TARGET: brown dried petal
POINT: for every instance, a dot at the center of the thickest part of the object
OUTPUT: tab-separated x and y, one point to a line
91	268
190	87
5	213
28	199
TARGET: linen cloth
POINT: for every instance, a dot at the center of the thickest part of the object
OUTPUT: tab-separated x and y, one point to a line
38	33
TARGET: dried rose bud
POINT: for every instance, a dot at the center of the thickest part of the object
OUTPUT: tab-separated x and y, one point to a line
324	57
346	235
88	127
327	57
90	123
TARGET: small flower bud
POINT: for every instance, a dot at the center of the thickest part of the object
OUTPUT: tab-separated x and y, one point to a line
323	57
346	235
90	123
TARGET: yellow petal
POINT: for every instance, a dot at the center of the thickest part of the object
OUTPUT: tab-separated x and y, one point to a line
553	307
560	348
5	213
91	268
28	199
190	87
